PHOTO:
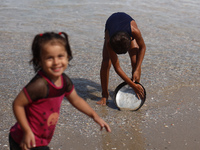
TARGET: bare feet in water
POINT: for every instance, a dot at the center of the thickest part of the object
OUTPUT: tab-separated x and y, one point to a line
102	101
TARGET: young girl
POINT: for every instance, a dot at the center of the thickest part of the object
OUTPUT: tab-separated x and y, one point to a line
37	106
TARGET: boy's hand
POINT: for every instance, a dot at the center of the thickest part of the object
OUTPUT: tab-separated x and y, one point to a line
136	76
102	123
28	141
139	91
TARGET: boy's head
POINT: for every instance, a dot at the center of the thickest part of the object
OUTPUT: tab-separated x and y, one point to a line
120	42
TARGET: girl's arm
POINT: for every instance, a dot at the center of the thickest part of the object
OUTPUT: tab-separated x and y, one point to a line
83	106
19	104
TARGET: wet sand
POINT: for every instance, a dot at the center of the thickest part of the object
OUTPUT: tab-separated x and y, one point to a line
169	124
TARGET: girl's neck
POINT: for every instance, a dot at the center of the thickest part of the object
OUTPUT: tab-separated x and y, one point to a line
56	81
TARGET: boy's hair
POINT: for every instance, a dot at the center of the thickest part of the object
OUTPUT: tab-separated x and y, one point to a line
41	39
120	42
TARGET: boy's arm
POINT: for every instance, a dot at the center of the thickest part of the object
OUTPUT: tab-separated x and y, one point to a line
83	106
142	47
115	61
19	104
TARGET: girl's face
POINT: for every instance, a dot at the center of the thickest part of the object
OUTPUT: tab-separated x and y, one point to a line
54	60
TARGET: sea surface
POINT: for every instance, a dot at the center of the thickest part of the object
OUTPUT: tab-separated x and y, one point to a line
170	28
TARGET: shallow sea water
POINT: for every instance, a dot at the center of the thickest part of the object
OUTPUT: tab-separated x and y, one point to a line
171	31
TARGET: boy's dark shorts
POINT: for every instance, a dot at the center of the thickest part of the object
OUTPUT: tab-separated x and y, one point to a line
15	146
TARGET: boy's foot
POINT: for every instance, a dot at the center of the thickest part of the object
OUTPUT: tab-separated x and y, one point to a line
102	102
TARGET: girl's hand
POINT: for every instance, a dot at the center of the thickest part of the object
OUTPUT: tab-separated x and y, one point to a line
102	123
28	141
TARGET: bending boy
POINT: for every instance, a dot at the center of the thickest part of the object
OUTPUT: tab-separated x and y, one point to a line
121	36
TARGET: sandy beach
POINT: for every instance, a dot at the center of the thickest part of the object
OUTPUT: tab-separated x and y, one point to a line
170	124
169	119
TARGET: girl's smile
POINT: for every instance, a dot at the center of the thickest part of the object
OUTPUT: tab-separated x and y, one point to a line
54	60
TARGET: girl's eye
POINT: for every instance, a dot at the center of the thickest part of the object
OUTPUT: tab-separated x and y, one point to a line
60	56
49	58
